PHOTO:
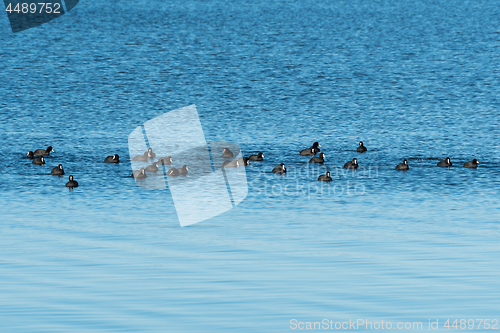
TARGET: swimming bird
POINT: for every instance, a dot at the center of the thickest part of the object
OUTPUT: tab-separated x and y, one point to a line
471	164
227	153
112	159
144	158
165	160
72	183
243	161
44	152
445	163
231	164
30	155
361	148
318	159
351	164
184	170
57	171
38	160
139	174
173	172
152	168
313	150
258	157
325	178
280	169
403	166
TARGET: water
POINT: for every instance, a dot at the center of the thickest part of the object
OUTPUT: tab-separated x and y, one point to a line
411	79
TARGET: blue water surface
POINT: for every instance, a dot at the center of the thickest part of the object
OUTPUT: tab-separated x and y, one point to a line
412	79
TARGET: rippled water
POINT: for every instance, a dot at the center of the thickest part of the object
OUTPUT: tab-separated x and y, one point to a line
411	79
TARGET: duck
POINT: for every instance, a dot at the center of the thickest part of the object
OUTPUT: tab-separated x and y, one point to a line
313	150
144	158
351	164
184	170
38	160
445	163
57	171
44	152
30	155
281	169
227	153
243	161
139	174
112	159
403	166
325	178
165	160
361	148
152	168
173	172
231	164
471	164
318	159
72	183
258	157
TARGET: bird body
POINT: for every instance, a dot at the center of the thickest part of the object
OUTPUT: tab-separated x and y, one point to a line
30	155
72	183
403	166
280	169
258	157
165	160
351	164
57	171
44	152
361	148
139	174
243	161
231	164
152	168
318	159
325	178
472	164
227	153
313	150
112	159
38	160
445	163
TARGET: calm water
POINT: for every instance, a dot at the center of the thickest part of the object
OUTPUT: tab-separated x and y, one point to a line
412	79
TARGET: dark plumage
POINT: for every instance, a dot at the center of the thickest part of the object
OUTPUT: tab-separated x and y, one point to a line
445	163
57	171
403	166
152	168
139	174
44	152
361	148
313	150
184	170
318	159
227	153
243	161
165	160
30	155
325	178
280	169
231	164
258	157
145	157
173	172
38	160
112	159
351	164
472	164
72	183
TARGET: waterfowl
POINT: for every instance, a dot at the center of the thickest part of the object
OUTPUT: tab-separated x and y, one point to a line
351	164
403	166
325	178
445	163
152	168
472	164
165	160
361	148
44	152
184	170
144	158
313	150
112	159
258	157
318	159
243	161
72	183
38	160
227	153
280	169
231	164
30	155
139	174
57	171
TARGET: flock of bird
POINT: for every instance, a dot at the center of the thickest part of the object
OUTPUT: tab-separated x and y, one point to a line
38	158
